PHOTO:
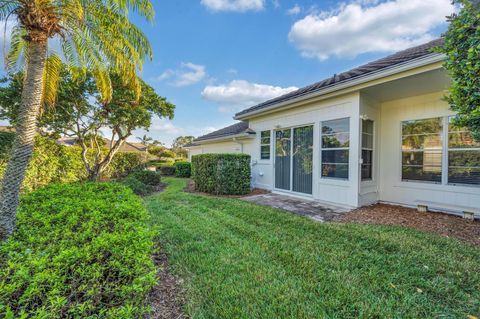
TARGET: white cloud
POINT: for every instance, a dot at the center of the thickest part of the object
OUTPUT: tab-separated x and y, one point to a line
166	127
293	11
239	94
188	74
234	5
368	26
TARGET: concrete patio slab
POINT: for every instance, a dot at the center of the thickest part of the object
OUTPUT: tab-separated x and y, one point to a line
317	211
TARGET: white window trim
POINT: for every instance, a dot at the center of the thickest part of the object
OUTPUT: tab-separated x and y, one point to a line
269	146
335	149
372	179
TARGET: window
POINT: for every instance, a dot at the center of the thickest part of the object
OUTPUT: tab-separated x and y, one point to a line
335	148
265	145
463	156
367	149
422	150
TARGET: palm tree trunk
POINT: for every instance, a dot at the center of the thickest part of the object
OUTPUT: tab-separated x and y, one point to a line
25	136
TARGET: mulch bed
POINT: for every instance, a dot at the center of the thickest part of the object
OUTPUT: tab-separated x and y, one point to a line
165	297
190	188
438	223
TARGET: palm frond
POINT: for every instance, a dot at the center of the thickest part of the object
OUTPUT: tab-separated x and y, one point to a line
51	77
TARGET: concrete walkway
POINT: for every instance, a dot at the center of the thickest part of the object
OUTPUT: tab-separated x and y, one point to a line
310	208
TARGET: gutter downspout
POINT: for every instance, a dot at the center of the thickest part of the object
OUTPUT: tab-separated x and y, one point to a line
235	140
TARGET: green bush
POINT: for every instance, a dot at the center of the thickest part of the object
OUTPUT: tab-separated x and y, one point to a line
183	169
166	170
125	163
79	250
227	174
137	186
147	177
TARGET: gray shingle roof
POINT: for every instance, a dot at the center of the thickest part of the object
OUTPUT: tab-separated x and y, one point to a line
375	66
237	128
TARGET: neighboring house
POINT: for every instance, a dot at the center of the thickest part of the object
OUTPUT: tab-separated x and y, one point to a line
379	132
126	147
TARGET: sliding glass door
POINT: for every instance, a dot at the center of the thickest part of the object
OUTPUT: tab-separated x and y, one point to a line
294	159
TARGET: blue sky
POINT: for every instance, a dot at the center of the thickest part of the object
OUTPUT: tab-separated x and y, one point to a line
213	58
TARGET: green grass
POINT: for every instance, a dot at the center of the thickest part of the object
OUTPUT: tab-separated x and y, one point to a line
240	260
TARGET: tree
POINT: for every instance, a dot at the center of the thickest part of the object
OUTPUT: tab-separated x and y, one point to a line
145	140
462	48
95	35
178	145
81	113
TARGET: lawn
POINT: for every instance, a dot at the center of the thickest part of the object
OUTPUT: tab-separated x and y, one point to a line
240	260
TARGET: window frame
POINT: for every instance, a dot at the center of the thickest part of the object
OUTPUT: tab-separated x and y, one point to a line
265	144
444	135
322	149
362	148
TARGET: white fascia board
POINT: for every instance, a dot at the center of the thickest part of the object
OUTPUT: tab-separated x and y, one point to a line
338	88
230	138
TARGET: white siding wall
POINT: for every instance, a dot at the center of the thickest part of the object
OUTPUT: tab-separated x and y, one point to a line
392	188
328	190
220	147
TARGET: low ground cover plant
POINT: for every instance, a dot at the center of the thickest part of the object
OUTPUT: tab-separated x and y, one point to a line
225	174
183	169
79	250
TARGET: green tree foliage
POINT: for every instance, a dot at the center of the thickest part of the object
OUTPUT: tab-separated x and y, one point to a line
80	112
178	145
462	47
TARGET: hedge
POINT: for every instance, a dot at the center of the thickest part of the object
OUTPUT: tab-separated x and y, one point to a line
227	174
79	251
54	163
166	170
183	169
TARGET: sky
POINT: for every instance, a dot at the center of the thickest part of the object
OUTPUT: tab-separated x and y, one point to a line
213	58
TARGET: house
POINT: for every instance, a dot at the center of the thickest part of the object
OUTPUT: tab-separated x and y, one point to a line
380	132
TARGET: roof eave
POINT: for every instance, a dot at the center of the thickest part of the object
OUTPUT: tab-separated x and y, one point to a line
341	87
227	138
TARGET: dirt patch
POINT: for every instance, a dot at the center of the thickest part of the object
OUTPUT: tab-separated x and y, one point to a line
438	223
165	298
190	188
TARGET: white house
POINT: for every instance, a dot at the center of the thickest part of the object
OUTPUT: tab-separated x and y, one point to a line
378	133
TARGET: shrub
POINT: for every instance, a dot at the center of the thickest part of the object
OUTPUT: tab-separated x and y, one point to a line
147	177
183	169
167	170
125	163
227	174
79	250
137	186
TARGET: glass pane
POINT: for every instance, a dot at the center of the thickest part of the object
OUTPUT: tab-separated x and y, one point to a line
418	142
464	158
265	137
462	140
336	141
422	173
302	159
469	176
426	158
366	172
265	152
282	159
367	126
336	126
367	141
367	156
428	126
337	156
335	170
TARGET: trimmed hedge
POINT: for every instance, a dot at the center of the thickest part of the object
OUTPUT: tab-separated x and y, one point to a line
79	251
183	169
147	177
137	186
226	174
166	170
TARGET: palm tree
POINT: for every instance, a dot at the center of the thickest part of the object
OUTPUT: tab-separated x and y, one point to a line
93	35
145	140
